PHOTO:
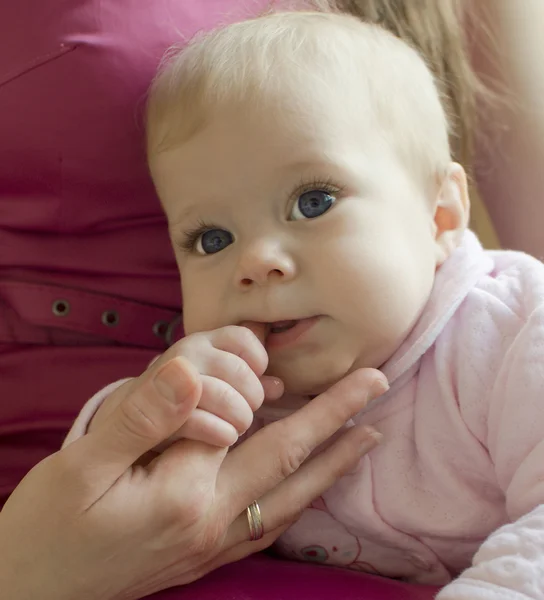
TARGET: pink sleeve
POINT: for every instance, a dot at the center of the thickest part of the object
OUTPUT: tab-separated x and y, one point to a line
515	438
79	428
508	566
510	563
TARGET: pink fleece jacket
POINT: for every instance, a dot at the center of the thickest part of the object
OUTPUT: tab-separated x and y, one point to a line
457	484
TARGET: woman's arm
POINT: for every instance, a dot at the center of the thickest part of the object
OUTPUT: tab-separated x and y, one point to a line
509	165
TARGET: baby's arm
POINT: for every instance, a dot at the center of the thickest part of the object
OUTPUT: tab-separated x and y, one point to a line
86	415
510	563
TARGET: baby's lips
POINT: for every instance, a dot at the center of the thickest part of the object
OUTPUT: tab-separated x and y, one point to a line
259	329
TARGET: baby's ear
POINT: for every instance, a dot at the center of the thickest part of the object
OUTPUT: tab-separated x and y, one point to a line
451	211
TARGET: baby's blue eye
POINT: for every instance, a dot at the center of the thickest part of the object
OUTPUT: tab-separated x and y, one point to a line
213	240
312	204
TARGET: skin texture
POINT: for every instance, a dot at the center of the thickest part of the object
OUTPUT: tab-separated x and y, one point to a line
365	267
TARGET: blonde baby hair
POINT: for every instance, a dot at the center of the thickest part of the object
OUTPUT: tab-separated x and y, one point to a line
252	63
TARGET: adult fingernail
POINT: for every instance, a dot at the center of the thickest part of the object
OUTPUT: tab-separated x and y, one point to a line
166	381
373	433
379	387
369	440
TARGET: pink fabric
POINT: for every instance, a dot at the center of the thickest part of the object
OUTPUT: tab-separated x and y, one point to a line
79	221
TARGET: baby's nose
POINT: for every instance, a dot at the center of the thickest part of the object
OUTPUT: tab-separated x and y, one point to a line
264	264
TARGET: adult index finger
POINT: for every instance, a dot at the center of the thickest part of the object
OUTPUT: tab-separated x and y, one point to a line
275	452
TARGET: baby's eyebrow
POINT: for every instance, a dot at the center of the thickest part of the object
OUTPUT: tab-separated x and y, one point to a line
310	164
319	165
181	215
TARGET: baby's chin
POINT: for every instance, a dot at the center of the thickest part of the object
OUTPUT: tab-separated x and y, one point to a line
307	383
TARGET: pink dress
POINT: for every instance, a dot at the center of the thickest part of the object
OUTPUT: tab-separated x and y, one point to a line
88	284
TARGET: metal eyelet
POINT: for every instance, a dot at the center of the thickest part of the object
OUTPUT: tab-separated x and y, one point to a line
61	308
110	318
172	326
160	328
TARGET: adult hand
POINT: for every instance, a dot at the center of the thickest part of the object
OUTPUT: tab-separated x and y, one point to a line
231	362
88	523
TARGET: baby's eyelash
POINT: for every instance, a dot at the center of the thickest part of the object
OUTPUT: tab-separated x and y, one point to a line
326	185
190	236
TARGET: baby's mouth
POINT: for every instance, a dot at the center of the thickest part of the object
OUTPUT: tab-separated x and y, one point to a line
280	326
283	334
279	333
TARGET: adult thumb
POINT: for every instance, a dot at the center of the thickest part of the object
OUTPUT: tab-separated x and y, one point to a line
157	406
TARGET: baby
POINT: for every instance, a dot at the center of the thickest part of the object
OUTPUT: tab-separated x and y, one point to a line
303	163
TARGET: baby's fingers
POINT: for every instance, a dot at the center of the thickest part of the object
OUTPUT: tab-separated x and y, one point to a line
273	387
203	426
223	401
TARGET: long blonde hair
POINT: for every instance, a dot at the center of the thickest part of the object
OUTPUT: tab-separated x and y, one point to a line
437	29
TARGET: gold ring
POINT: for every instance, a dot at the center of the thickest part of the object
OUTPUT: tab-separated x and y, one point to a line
256	529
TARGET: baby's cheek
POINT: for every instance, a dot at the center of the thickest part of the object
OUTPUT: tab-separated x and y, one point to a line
199	308
193	319
203	316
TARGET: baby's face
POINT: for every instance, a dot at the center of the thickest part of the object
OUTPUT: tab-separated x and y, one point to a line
307	223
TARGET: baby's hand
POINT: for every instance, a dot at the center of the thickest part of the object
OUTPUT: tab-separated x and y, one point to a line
231	362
